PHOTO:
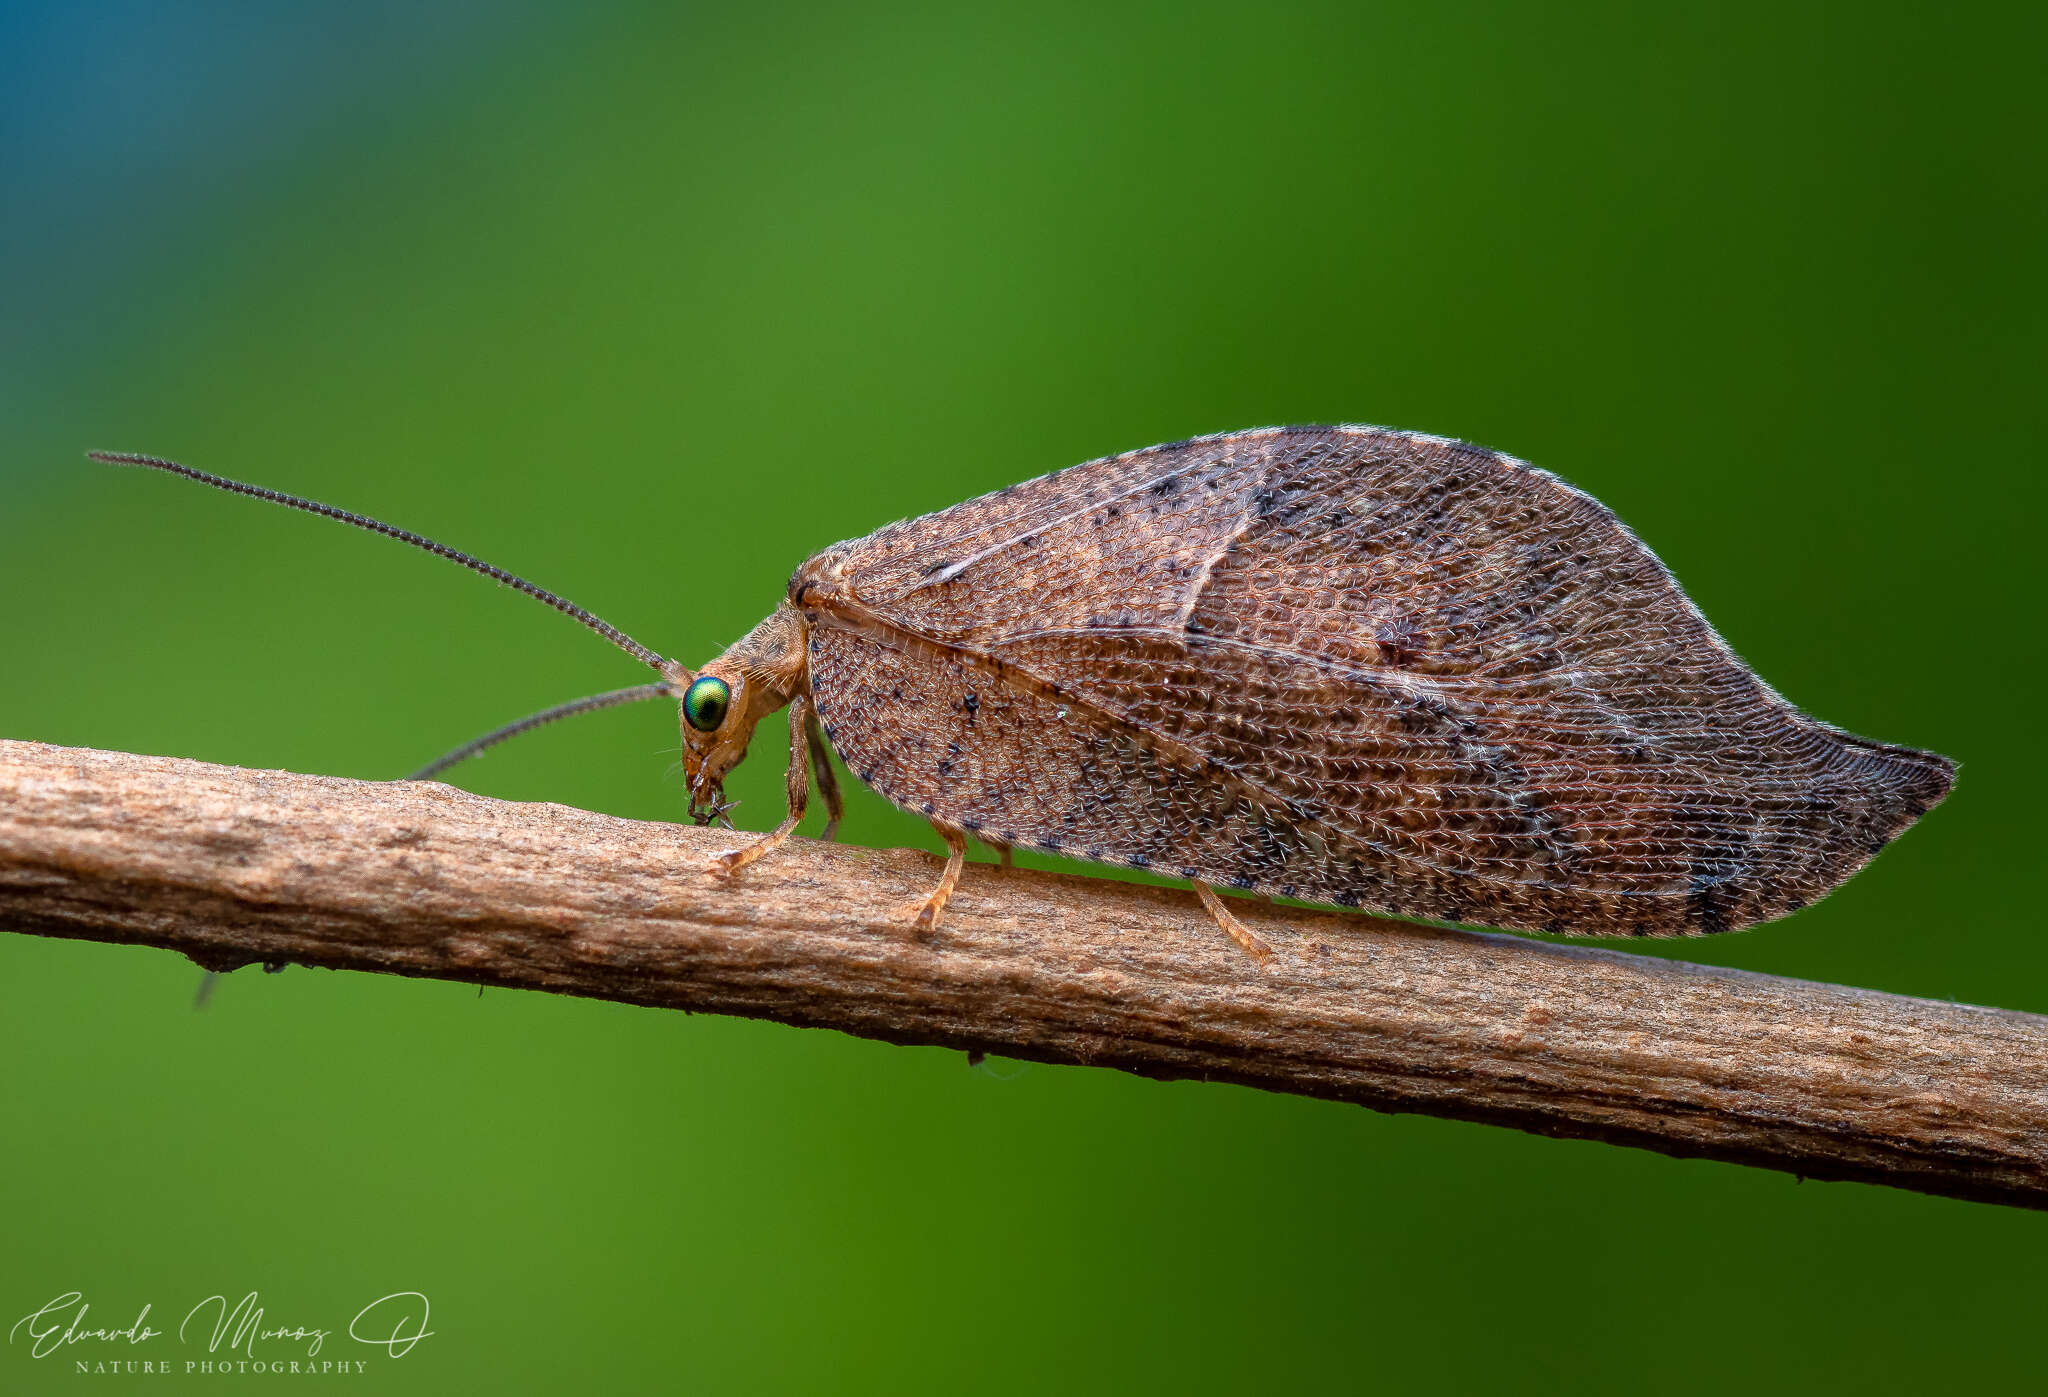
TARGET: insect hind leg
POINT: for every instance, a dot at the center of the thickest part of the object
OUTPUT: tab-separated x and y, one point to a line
1252	944
925	912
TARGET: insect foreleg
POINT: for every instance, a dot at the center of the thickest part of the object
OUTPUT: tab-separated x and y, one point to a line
799	787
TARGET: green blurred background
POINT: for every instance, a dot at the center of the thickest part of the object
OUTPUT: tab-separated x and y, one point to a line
648	303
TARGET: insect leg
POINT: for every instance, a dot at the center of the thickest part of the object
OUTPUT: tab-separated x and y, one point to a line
927	911
799	786
1002	849
821	767
1243	935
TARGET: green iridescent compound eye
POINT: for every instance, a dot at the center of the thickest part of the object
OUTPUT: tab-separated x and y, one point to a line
704	703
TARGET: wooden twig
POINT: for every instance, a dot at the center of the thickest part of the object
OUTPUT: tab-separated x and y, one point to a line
233	867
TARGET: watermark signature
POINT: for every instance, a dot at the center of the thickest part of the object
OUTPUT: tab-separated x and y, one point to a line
237	1336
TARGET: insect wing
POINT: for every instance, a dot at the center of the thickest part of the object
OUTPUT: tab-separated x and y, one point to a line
1411	675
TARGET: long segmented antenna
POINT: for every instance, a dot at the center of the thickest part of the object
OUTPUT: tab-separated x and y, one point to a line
636	694
327	511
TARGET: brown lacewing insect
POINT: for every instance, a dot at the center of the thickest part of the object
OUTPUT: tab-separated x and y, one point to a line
1348	665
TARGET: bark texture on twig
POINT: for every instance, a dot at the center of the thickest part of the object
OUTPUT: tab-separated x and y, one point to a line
233	867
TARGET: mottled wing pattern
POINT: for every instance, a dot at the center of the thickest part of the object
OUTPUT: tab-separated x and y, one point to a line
1350	665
